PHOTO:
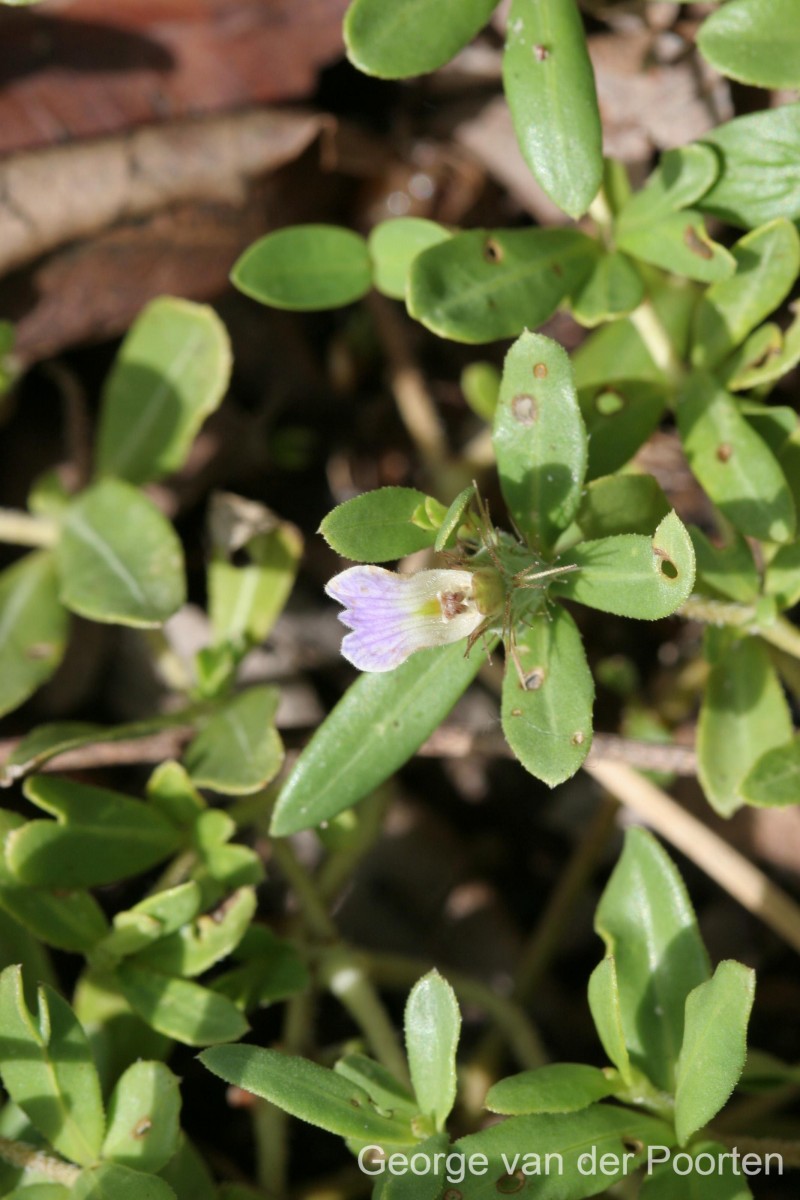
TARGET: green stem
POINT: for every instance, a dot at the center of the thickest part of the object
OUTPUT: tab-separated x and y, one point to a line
779	633
651	330
29	1158
23	529
343	974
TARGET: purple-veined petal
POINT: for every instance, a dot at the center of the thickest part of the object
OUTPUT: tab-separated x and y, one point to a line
393	615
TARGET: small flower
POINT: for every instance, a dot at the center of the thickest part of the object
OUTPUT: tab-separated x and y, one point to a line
393	615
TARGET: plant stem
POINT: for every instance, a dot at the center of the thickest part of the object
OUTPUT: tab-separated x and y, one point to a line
731	870
779	633
23	529
344	975
651	330
29	1158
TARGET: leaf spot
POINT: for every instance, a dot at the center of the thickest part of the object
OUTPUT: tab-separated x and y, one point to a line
508	1185
540	371
541	53
452	1194
633	1145
493	251
695	243
578	738
516	712
142	1127
725	452
525	409
535	679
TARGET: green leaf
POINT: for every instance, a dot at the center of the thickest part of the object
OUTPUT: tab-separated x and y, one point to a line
759	363
480	383
222	868
33	628
154	917
606	1009
728	571
680	243
378	526
681	177
245	600
98	837
632	575
67	920
239	750
305	267
775	424
767	265
419	1185
395	244
744	714
550	89
613	290
448	530
516	1150
47	1069
188	1175
734	465
193	1015
200	943
432	1029
646	920
558	1088
621	504
782	576
377	725
754	41
549	724
171	372
46	742
774	780
108	1181
144	1118
619	418
539	438
382	1088
716	1178
305	1090
759	348
760	177
271	969
410	37
483	285
119	559
39	1191
714	1046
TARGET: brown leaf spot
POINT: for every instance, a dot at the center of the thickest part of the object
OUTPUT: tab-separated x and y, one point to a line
535	679
516	712
540	53
508	1185
540	371
493	251
578	738
525	409
725	452
695	243
142	1127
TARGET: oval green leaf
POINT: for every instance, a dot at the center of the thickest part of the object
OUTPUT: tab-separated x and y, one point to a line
632	575
171	372
410	37
119	559
432	1029
377	725
487	284
760	176
548	724
305	1090
606	1009
539	438
239	750
613	290
549	84
734	465
557	1088
774	780
647	922
755	42
306	268
179	1008
144	1118
395	244
714	1046
378	526
33	628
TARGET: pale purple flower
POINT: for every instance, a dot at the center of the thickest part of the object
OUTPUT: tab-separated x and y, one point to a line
393	615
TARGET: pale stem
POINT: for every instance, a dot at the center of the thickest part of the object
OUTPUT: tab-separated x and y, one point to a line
651	330
779	633
23	529
730	869
29	1158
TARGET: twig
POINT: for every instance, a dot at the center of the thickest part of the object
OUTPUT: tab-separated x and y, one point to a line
414	401
155	748
730	869
29	1158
